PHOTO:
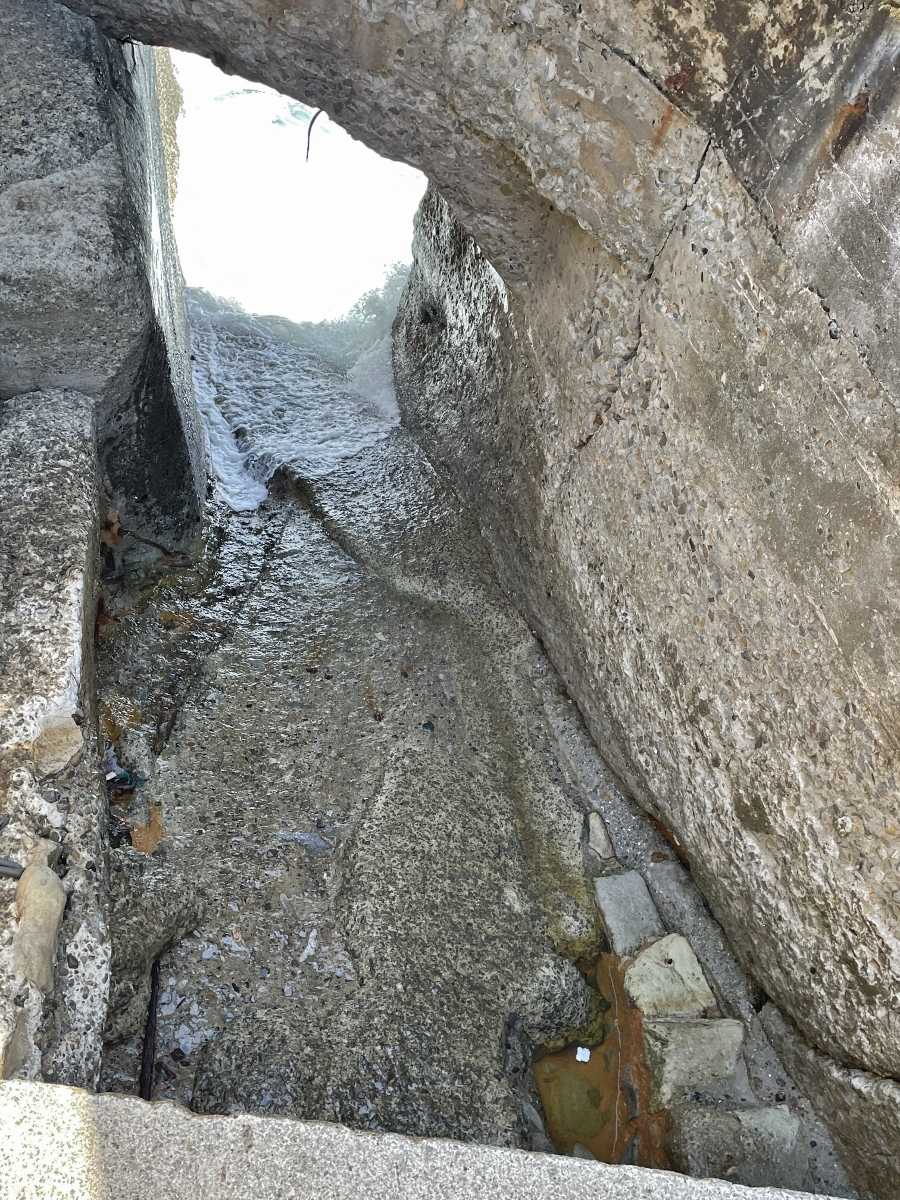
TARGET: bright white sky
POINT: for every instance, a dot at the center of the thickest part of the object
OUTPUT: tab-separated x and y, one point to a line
258	224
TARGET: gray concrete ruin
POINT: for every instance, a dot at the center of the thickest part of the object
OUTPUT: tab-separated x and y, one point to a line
646	537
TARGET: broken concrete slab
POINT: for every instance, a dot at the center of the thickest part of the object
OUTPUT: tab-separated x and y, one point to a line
686	1054
96	1148
665	980
739	1144
628	913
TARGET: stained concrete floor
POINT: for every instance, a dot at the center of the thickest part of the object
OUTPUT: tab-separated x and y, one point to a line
358	789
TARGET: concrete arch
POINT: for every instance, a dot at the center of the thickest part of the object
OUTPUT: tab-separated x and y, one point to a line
686	412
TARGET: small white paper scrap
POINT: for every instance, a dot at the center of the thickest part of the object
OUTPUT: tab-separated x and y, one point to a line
582	1054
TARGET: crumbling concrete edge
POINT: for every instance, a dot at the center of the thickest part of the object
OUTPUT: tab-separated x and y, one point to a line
94	1147
54	968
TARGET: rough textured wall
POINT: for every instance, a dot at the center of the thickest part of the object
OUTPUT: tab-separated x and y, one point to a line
682	547
682	432
90	296
51	798
93	357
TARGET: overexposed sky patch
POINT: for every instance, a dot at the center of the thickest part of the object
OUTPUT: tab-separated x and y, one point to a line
258	224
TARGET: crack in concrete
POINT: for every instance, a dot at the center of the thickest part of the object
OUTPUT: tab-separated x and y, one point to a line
632	351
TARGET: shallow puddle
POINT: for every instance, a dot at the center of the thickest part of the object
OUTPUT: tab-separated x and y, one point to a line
598	1097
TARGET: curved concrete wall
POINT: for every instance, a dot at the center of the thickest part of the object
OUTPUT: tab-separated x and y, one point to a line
680	421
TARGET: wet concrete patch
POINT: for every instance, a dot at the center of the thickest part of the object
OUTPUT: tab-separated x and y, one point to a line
598	1097
348	757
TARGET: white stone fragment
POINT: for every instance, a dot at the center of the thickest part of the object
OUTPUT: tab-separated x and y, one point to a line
598	838
665	980
40	901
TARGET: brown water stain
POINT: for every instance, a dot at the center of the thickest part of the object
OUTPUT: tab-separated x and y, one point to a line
663	127
673	840
176	620
145	838
847	122
605	1104
117	717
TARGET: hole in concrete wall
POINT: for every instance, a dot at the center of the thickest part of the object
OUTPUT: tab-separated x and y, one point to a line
295	242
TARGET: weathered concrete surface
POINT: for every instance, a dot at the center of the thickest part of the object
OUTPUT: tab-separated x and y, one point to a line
112	1148
361	787
677	530
151	908
48	564
526	116
518	109
686	1054
862	1110
684	462
49	508
724	1142
349	715
91	286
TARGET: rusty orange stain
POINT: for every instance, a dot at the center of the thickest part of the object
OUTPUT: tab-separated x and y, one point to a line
675	842
604	1104
679	81
663	127
145	838
847	121
175	619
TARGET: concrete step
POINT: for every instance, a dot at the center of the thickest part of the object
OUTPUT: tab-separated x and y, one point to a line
60	1142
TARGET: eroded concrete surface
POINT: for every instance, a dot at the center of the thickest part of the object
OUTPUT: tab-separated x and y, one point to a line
362	791
648	179
369	831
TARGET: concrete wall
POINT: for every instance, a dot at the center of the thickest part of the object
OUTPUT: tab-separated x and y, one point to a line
91	287
96	412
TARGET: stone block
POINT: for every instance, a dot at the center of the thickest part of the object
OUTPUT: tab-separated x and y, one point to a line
665	980
598	838
683	909
686	1054
740	1144
629	915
